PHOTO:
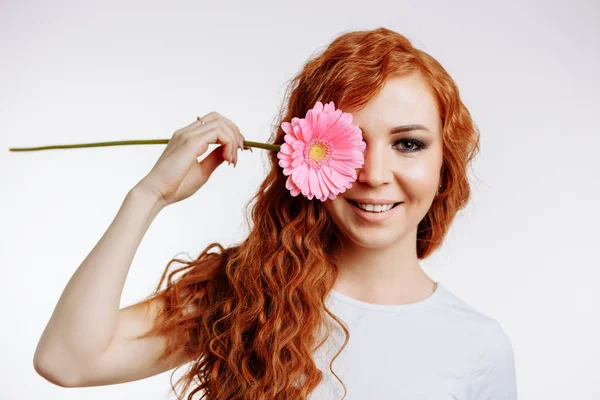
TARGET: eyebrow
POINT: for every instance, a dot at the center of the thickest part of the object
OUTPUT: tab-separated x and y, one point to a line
404	128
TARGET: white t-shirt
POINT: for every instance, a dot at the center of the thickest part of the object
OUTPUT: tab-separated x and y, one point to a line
436	349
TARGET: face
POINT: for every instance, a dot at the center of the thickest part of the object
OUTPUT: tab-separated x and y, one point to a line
401	167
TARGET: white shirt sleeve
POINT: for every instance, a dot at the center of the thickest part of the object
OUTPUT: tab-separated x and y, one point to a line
494	376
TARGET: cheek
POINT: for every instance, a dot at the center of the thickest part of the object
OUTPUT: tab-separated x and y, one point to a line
334	210
421	176
332	207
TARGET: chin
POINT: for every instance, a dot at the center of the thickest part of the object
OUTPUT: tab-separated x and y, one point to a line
375	240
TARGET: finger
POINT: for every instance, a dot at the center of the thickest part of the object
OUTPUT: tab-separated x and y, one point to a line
217	135
199	121
232	129
232	147
214	120
236	131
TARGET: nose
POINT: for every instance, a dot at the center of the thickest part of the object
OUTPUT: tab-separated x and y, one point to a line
376	170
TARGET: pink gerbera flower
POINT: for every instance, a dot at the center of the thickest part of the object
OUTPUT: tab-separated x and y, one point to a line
321	152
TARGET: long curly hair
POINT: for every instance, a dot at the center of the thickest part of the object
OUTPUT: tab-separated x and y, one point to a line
248	315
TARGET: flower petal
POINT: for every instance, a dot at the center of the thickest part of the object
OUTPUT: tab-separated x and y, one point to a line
327	178
318	107
289	184
339	178
344	168
324	187
329	107
285	148
288	128
300	175
284	162
289	138
313	182
298	131
298	145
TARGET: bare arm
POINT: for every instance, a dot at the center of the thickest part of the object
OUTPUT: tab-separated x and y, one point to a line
89	340
86	317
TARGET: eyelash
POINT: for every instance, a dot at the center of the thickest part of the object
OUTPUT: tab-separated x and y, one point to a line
418	145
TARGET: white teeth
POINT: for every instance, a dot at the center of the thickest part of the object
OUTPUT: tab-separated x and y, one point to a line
376	208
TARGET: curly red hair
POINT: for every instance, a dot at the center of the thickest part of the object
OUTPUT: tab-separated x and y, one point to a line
248	314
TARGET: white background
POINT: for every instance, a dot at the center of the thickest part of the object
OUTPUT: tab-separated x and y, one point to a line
524	251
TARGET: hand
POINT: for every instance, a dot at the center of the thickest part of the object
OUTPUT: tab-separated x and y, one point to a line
177	174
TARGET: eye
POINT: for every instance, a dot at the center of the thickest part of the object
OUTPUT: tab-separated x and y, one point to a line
410	145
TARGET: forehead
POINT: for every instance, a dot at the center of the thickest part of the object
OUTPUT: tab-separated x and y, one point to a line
402	100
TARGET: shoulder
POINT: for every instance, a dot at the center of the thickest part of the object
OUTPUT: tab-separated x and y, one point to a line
494	374
491	335
458	312
493	365
496	349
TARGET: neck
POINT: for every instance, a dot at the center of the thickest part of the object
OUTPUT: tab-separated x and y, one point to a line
383	275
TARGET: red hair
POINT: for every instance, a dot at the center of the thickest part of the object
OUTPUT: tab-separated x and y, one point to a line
248	314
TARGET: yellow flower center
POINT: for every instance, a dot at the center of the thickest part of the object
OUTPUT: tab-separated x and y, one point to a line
317	152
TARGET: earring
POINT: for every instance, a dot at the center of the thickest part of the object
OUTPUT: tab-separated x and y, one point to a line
438	190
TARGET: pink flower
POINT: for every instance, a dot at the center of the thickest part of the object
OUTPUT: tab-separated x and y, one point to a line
321	152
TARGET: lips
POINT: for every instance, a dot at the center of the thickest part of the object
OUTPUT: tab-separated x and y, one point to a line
373	217
356	204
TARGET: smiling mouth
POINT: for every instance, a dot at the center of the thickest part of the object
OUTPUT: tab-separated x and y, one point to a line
355	204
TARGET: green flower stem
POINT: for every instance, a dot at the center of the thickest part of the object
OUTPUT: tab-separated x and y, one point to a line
266	146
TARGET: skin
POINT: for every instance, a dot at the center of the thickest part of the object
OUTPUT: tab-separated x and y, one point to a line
379	263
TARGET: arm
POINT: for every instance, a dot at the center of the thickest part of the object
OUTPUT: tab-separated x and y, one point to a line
85	337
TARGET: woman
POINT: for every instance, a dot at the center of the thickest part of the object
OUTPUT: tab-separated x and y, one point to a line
323	299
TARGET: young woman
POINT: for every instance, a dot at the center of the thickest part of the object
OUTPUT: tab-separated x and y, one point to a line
323	299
